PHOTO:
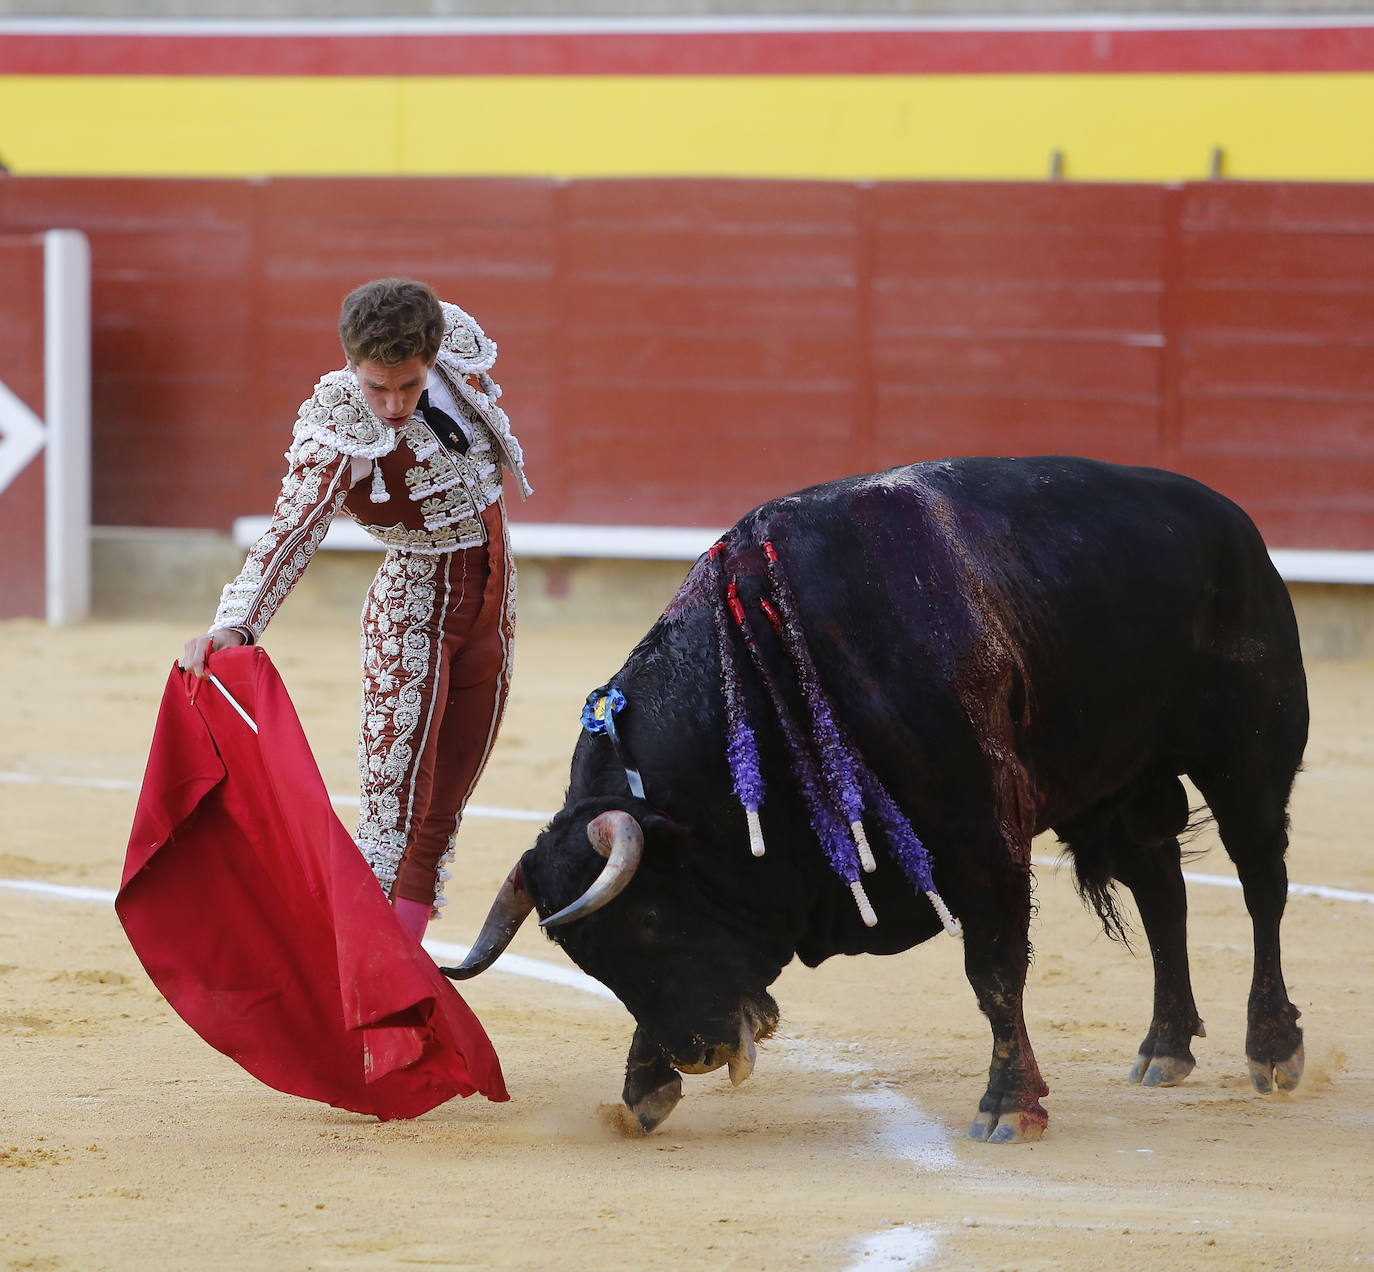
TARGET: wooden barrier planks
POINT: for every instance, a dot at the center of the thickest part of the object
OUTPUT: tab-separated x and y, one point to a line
675	351
1277	355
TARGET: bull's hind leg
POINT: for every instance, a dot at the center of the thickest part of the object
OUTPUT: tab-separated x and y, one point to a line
996	923
1252	822
1260	714
1154	875
1133	839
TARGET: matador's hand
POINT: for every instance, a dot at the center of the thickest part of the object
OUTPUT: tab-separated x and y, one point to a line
193	660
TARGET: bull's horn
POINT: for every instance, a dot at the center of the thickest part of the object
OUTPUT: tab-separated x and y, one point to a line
742	1062
504	918
620	839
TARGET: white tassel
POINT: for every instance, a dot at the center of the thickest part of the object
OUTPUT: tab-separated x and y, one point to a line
751	815
861	900
379	494
861	843
950	922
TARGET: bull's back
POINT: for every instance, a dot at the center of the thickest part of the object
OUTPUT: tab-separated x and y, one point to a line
1060	546
1088	556
1120	597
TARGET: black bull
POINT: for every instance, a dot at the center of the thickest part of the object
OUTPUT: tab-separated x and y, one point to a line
1014	645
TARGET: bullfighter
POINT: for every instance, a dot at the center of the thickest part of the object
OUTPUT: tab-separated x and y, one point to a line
409	440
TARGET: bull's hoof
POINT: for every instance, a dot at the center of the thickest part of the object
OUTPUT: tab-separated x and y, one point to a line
1153	1071
1019	1126
1282	1075
651	1108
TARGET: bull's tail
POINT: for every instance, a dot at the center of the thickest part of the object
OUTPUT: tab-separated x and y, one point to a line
1148	817
1096	886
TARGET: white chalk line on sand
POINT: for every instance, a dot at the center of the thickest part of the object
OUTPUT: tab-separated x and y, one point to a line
902	1129
343	801
446	952
895	1250
898	1127
1226	881
492	812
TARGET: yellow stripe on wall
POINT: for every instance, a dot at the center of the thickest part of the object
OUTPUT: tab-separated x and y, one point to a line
1110	127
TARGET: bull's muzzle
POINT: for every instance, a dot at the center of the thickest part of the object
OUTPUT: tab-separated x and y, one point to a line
653	1082
739	1054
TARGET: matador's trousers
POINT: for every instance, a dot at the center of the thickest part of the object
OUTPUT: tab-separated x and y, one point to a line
437	632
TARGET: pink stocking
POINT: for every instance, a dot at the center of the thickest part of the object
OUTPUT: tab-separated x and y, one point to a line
414	914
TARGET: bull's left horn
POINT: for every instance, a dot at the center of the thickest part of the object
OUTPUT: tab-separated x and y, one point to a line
513	903
620	839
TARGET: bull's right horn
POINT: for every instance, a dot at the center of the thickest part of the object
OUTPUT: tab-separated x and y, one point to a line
503	920
620	839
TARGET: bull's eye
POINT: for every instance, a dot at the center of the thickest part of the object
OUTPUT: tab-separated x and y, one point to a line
649	922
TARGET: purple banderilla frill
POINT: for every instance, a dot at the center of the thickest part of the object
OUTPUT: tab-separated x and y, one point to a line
844	768
827	825
742	750
838	762
906	847
837	787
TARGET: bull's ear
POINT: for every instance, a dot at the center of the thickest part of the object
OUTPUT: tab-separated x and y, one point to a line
658	823
667	842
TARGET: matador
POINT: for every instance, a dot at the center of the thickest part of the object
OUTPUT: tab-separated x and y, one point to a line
409	440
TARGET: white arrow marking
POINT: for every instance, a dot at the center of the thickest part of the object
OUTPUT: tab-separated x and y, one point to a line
21	435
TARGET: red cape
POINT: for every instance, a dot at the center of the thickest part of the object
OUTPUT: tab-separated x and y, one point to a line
254	913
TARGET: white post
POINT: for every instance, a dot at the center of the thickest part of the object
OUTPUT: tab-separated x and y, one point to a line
67	406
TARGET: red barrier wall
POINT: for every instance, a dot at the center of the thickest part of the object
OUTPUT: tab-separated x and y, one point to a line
22	581
675	351
1274	381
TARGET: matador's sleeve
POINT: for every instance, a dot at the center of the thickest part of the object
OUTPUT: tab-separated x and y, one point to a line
317	479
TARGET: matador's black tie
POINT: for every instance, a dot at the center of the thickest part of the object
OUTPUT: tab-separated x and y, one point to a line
445	427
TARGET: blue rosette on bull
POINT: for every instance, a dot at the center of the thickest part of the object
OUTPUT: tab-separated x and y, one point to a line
598	716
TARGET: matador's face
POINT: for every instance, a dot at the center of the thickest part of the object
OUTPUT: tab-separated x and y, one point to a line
391	392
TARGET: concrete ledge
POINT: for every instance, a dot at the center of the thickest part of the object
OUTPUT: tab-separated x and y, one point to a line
1298	565
177	574
139	572
1335	620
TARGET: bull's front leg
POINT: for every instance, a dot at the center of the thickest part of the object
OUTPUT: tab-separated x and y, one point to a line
996	958
652	1086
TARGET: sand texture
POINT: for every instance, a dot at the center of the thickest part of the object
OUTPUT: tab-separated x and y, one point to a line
128	1144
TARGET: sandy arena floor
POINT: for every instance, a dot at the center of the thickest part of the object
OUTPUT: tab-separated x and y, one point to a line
126	1143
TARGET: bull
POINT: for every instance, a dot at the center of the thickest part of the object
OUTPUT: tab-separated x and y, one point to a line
1012	646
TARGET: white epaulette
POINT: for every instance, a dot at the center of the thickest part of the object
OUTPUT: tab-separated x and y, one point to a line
336	415
468	347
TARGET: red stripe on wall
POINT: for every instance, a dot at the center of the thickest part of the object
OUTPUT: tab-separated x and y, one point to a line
1290	49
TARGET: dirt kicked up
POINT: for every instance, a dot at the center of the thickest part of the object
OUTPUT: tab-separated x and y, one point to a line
126	1143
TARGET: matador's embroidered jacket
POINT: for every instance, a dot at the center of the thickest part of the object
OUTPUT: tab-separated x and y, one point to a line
424	497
